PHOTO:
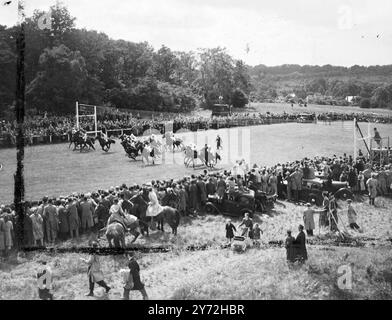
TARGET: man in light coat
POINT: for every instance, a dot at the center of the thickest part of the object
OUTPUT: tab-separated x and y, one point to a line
87	212
308	217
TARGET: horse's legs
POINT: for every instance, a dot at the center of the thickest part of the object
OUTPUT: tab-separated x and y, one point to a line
122	240
109	241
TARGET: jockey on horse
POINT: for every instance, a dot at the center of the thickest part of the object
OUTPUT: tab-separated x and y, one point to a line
154	208
83	134
104	135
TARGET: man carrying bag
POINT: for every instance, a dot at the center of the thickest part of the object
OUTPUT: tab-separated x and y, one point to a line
131	278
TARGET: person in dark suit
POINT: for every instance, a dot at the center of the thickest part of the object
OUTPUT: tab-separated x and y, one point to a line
133	281
202	192
301	254
206	154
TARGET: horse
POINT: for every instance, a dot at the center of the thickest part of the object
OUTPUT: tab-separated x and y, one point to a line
116	230
151	150
105	144
78	141
132	149
192	154
173	142
169	215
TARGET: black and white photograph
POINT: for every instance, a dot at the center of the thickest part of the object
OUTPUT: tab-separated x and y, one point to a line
220	150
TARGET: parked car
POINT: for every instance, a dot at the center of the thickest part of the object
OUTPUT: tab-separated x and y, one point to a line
236	206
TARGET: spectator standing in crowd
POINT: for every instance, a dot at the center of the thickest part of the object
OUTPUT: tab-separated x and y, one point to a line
230	229
38	228
73	218
28	228
51	222
290	249
372	188
296	178
301	253
361	183
87	212
2	235
94	271
8	233
63	220
133	281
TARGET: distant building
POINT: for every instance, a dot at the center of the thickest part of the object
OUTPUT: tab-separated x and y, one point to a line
353	99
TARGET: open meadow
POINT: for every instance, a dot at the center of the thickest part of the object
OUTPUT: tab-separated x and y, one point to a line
286	107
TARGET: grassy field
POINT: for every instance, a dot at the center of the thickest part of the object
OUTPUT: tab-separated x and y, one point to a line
55	170
216	273
286	107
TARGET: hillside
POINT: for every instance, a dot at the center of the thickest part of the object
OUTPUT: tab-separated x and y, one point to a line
216	273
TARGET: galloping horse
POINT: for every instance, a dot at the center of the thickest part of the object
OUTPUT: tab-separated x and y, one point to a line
168	214
105	144
152	149
173	142
78	141
192	154
132	149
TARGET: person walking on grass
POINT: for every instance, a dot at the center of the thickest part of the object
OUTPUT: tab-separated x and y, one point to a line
44	277
247	222
352	216
132	278
256	234
230	229
94	272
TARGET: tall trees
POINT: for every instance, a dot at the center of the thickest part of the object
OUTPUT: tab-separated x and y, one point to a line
60	81
220	75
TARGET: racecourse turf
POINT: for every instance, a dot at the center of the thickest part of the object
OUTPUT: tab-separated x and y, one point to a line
56	170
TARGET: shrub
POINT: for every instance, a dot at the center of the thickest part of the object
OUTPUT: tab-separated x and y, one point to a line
239	99
365	103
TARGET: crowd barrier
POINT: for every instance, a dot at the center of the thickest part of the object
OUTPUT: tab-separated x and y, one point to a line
219	123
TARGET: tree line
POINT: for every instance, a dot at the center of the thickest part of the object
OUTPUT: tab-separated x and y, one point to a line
372	86
65	64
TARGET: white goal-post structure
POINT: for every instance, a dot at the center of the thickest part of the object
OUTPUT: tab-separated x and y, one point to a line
366	140
92	114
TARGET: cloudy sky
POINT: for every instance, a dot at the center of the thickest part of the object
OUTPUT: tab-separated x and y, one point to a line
270	32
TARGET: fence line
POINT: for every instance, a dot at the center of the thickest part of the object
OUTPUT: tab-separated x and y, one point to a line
176	125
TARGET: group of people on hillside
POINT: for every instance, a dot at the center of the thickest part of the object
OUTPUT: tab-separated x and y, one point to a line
53	219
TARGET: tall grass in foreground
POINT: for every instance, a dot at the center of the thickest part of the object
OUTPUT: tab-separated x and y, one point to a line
215	273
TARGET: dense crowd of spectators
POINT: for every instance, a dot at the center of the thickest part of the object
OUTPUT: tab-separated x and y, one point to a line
64	217
52	128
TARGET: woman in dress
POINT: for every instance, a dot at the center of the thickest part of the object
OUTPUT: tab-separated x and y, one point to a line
154	208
